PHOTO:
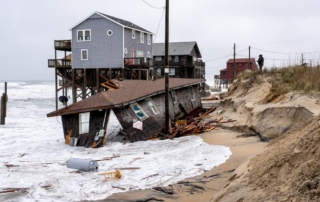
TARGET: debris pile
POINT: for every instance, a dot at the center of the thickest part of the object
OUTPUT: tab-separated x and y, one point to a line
196	124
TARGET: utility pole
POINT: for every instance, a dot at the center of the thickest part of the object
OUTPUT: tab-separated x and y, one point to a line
234	61
249	65
167	121
302	60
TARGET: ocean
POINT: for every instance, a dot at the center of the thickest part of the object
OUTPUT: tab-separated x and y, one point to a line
32	147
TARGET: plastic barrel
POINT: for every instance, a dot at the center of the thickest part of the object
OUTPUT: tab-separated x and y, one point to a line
83	164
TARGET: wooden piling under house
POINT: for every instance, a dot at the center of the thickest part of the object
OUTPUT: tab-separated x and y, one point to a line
139	105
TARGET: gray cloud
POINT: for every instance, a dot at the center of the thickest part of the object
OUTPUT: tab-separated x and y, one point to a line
28	29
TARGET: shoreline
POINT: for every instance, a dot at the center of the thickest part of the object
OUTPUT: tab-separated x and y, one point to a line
202	187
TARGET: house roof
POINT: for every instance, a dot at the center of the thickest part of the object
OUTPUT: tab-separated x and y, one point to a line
129	91
118	21
253	60
176	48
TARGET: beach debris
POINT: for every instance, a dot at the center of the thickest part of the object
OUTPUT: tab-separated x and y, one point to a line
118	187
8	166
150	176
111	175
83	164
128	168
110	85
7	190
135	159
108	158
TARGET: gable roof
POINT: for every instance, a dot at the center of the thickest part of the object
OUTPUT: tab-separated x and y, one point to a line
252	60
176	48
118	21
130	91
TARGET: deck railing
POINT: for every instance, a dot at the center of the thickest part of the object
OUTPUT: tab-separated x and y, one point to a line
142	62
59	63
62	45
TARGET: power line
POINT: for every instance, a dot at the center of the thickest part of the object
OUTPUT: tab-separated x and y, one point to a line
218	58
270	51
283	41
152	5
159	25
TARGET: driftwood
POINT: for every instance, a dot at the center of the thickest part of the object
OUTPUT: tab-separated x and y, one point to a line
107	158
118	187
164	190
135	159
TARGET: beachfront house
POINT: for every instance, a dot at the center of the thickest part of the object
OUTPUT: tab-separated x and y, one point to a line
184	60
241	64
139	105
103	47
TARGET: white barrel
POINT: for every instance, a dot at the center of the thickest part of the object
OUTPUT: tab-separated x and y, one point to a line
83	164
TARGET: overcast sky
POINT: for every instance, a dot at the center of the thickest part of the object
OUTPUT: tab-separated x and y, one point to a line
271	27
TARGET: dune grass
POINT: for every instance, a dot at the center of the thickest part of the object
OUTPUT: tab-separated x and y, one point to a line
291	78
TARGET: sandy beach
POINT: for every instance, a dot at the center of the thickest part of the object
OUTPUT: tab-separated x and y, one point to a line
205	186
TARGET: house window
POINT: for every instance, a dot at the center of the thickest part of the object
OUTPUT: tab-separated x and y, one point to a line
149	39
125	50
141	37
174	97
176	58
158	58
159	71
84	35
172	72
138	111
109	32
84	119
148	55
84	54
191	93
133	34
152	106
223	73
139	53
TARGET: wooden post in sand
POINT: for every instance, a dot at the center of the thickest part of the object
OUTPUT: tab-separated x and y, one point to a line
4	100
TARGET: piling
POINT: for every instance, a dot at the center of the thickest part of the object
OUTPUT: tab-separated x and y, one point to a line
4	99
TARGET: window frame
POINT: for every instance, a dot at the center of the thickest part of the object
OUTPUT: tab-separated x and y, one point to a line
176	58
133	34
174	97
153	108
148	55
83	35
137	111
149	39
191	93
84	122
172	71
141	37
82	50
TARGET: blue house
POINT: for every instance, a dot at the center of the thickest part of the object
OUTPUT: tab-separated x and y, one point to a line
103	41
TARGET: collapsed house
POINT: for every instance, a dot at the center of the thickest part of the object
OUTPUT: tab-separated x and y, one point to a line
139	105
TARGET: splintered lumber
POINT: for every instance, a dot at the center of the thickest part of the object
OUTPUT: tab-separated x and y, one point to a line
128	168
110	85
7	190
206	113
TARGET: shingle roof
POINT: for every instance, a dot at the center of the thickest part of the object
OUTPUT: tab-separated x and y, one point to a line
124	22
176	48
129	91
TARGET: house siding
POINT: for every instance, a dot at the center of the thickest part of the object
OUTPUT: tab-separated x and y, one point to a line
71	122
155	122
134	44
103	51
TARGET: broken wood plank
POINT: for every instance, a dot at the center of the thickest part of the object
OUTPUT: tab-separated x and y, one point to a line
127	168
118	187
7	190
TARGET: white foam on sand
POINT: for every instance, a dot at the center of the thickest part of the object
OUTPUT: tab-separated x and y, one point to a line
34	145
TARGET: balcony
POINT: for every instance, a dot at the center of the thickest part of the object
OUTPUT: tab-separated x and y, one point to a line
59	63
138	62
64	45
